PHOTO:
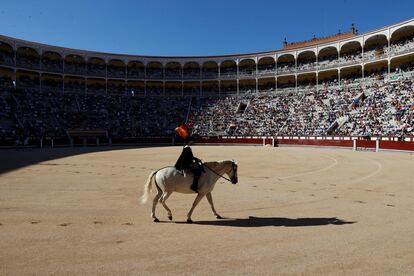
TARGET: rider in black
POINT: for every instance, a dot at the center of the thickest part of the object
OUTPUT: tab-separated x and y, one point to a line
187	161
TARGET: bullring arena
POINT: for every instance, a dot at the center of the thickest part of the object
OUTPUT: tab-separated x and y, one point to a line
322	131
295	210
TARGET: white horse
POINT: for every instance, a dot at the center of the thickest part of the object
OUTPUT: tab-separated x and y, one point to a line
169	180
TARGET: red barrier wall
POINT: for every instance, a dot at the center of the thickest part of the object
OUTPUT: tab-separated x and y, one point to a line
397	145
366	144
324	142
308	142
254	141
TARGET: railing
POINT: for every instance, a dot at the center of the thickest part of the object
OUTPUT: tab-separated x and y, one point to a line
286	71
328	65
6	60
306	68
96	72
52	68
228	76
136	75
155	76
344	62
375	55
266	72
209	76
247	74
115	73
401	49
25	63
173	76
192	76
75	69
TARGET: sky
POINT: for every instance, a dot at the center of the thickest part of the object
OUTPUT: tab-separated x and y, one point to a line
191	27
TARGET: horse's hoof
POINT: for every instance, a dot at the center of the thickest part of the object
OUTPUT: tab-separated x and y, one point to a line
170	217
189	221
219	217
156	220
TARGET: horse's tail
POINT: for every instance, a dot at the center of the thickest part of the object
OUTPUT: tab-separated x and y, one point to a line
147	188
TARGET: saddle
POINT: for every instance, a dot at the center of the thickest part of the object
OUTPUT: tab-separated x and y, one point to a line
187	172
196	169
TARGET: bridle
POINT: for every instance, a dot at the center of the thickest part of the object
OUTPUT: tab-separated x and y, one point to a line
233	167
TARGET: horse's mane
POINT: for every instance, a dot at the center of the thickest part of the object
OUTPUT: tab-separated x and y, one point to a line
213	164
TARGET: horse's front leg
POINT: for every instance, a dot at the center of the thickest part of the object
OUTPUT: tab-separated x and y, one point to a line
196	201
210	200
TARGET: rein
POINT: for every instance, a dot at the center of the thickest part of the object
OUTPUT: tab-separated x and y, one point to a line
229	180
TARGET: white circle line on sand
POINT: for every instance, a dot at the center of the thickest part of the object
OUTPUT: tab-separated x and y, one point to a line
379	168
335	162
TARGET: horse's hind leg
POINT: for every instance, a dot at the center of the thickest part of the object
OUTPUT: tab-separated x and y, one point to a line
210	200
154	203
163	199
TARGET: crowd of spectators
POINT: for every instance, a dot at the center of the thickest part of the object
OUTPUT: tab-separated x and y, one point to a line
96	69
191	73
31	113
381	108
116	71
27	61
52	65
386	109
173	73
306	65
6	58
155	73
136	72
402	46
377	106
286	67
376	52
209	73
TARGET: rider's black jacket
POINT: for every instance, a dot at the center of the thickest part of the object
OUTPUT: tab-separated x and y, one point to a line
186	159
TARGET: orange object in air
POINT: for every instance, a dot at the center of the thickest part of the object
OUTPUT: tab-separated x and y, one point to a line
181	131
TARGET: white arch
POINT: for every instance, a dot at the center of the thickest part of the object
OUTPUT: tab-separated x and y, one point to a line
307	50
88	58
259	58
191	62
249	60
135	61
227	61
24	46
358	39
384	32
51	51
335	45
254	59
173	62
293	53
116	59
396	28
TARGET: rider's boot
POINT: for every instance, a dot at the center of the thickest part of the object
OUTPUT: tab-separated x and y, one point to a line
194	186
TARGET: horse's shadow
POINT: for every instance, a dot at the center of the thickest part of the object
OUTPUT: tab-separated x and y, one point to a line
274	221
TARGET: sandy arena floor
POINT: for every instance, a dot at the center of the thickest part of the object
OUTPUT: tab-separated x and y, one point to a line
294	211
